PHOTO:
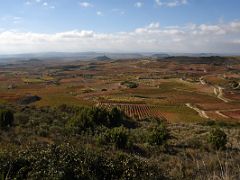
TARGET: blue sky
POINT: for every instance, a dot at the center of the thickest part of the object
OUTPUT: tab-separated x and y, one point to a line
156	25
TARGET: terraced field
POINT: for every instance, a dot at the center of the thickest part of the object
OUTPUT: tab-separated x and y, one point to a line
137	111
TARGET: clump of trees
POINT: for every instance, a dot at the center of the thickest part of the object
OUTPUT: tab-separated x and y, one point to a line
64	161
86	119
217	138
130	84
6	118
118	136
159	135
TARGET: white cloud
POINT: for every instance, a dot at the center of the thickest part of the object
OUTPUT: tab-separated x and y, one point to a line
28	3
85	4
17	20
235	26
138	4
153	25
222	38
118	11
11	19
159	2
237	41
171	3
75	34
208	29
99	13
44	3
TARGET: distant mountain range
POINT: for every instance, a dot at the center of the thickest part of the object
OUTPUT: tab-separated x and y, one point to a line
160	55
102	58
70	56
96	56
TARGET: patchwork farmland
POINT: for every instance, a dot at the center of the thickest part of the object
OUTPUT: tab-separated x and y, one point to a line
139	87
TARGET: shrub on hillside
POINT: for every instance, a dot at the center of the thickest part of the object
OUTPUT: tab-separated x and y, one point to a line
82	121
68	162
100	116
116	117
69	109
129	84
90	118
217	138
119	137
21	118
6	118
159	135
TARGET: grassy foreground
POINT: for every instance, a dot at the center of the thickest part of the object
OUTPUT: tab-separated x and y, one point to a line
70	142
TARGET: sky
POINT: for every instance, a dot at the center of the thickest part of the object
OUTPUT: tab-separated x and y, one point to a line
177	26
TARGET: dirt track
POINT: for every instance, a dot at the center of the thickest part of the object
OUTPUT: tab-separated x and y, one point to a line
200	112
202	81
219	93
221	114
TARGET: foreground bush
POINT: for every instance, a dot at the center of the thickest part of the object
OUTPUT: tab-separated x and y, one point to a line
89	118
6	118
25	154
82	121
119	137
68	162
130	84
217	138
159	135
